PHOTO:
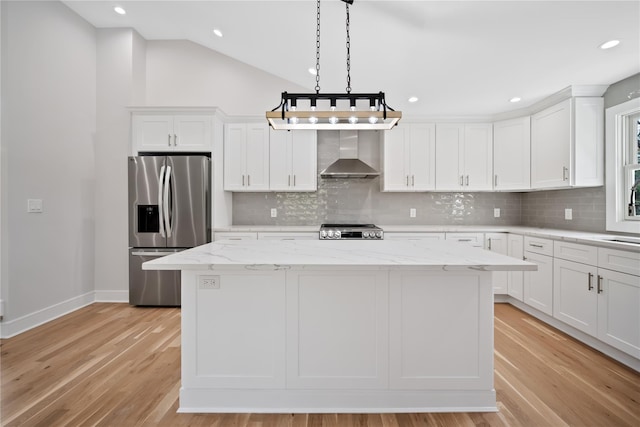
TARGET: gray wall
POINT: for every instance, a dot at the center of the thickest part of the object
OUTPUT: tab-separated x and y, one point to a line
360	200
546	208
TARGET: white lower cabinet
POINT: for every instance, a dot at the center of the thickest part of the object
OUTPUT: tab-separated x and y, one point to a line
619	310
293	160
515	282
575	295
497	242
538	285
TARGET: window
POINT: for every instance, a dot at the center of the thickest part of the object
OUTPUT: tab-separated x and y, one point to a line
623	167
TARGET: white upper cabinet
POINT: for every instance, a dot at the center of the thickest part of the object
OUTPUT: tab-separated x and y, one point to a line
172	132
293	160
464	157
512	154
408	158
246	157
567	144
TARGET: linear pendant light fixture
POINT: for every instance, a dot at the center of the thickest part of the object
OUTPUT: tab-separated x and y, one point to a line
333	111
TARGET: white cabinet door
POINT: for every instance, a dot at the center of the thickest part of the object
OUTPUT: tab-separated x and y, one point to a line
619	310
152	133
293	164
516	278
304	155
512	154
449	168
575	298
567	144
550	146
192	133
478	157
408	158
172	132
497	242
246	157
538	285
464	157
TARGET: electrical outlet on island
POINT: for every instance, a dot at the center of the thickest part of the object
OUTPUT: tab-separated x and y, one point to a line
274	212
568	214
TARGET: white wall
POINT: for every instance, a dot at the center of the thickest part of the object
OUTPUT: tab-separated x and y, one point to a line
49	119
182	73
120	84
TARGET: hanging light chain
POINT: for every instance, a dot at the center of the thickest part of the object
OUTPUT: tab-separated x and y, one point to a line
318	49
348	53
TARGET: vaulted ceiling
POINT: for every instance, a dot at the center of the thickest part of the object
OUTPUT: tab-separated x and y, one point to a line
458	57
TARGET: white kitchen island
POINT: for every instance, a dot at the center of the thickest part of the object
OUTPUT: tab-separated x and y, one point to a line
337	326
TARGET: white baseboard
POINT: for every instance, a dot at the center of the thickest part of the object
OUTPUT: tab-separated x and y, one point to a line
14	327
112	296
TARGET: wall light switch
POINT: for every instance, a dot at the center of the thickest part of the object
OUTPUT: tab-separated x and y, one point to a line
274	212
568	214
496	212
412	212
34	205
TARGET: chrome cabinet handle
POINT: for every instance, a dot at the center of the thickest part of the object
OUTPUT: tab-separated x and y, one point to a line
413	180
467	180
535	246
465	240
565	171
589	284
248	180
407	180
175	140
600	290
489	243
461	180
495	180
243	180
294	180
169	139
288	180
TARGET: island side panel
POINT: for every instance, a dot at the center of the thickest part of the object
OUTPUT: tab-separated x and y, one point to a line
441	330
233	333
337	329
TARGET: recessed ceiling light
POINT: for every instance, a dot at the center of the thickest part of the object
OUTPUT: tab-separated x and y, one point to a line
313	71
515	99
609	44
119	10
413	99
217	32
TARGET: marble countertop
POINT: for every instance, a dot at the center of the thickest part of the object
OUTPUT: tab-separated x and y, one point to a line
584	237
289	254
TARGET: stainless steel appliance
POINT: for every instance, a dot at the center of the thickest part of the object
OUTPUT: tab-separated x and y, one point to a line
169	211
350	232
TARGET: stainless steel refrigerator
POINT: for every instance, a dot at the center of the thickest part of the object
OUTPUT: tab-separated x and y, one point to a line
169	211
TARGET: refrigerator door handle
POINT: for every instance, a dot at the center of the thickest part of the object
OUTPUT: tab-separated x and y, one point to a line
160	201
165	205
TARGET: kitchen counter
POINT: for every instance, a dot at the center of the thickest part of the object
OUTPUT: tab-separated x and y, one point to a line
588	238
318	326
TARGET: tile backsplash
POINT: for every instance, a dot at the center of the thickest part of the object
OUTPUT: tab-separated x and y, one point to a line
361	201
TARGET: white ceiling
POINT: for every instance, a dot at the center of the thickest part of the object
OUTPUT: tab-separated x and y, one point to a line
459	58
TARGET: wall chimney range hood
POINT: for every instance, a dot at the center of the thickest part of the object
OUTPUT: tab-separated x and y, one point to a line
348	165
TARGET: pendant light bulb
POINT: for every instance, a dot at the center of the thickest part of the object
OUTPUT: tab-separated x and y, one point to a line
373	119
333	119
293	120
313	119
353	119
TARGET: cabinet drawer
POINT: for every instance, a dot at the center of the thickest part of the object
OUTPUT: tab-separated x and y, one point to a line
235	235
413	236
623	261
473	239
288	236
538	246
575	252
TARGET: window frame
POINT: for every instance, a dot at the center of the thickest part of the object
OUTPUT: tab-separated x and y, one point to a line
618	149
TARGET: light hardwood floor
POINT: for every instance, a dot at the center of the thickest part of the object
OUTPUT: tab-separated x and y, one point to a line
117	365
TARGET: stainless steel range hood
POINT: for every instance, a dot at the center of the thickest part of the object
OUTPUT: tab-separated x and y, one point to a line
348	165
